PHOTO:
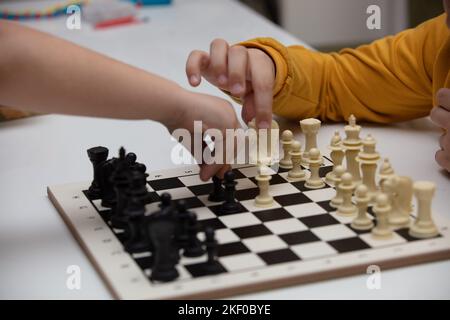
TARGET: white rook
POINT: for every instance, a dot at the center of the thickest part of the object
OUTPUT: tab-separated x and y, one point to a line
310	128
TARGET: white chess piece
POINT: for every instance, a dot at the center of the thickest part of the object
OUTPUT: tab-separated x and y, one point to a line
310	128
362	198
346	187
296	173
386	170
287	138
398	217
381	210
337	200
424	226
336	155
315	160
368	159
352	146
264	199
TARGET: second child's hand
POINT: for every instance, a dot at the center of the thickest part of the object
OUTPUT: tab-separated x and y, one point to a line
246	73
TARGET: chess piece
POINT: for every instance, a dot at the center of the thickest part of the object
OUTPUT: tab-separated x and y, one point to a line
368	159
381	210
161	233
296	173
266	142
362	198
182	222
107	193
315	160
230	205
336	154
386	170
194	246
337	200
212	266
264	199
287	138
217	194
138	187
97	156
121	182
346	187
424	226
405	195
398	216
352	146
310	128
137	239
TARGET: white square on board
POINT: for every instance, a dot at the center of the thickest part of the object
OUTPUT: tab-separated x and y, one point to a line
226	236
178	193
245	183
285	226
240	220
250	205
264	243
281	189
204	213
381	242
313	250
321	194
333	232
193	180
241	261
305	210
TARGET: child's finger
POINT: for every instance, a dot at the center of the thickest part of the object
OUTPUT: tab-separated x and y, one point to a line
443	160
262	82
444	142
248	108
196	61
440	117
443	98
219	61
237	70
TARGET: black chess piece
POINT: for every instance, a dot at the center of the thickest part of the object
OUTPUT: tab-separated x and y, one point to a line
212	266
97	156
121	182
182	219
217	194
107	192
194	246
166	201
134	165
137	238
138	187
230	205
161	232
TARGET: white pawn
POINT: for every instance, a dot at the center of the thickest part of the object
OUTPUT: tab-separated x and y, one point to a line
424	226
381	210
296	173
362	198
336	154
315	160
264	199
337	200
287	138
346	187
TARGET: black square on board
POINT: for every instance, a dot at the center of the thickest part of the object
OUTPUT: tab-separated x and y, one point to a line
272	214
291	199
213	223
201	189
320	220
324	170
219	212
299	237
201	269
238	174
163	184
232	248
349	244
326	206
193	202
246	194
251	231
278	256
276	179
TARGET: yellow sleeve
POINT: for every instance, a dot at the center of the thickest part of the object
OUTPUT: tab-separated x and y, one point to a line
386	81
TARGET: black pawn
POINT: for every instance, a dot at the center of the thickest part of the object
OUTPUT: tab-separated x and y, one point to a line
217	194
194	246
211	245
137	239
181	230
166	201
97	156
161	233
121	182
230	205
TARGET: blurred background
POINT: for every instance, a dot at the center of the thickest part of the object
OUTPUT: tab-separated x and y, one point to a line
329	25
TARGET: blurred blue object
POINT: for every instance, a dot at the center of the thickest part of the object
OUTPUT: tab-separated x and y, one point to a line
151	2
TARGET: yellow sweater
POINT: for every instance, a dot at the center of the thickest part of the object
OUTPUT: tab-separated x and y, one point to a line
392	79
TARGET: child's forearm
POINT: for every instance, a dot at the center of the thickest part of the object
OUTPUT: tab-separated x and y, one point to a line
44	74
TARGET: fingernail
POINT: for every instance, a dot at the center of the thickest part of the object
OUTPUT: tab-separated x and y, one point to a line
263	125
222	79
193	79
236	89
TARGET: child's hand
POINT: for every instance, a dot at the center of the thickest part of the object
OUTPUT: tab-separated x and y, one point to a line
214	113
441	116
246	73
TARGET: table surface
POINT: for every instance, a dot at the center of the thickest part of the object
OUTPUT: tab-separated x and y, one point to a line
36	247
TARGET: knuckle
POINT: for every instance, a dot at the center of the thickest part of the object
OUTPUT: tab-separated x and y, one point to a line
442	94
238	49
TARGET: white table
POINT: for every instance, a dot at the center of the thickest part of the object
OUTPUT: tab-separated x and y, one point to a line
35	245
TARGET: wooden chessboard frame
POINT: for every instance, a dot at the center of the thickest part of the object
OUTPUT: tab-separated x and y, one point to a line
126	280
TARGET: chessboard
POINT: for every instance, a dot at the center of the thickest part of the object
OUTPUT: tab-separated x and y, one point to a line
298	239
